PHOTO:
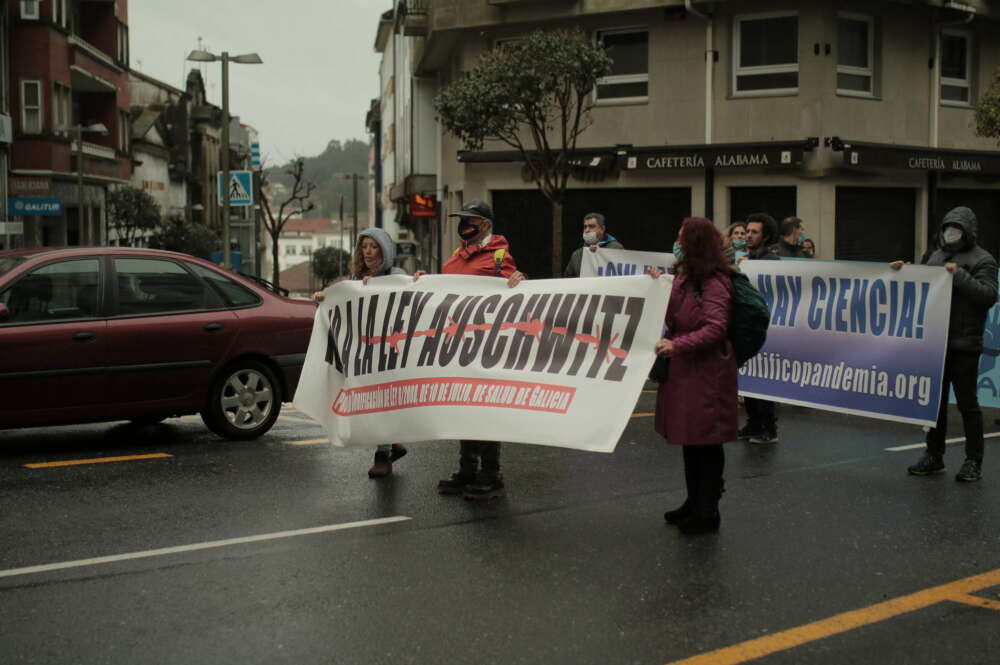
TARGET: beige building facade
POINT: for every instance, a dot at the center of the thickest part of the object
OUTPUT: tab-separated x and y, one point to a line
856	116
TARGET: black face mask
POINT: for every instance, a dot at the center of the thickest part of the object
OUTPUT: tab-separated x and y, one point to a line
467	230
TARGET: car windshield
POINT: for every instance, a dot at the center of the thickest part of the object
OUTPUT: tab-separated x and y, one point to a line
7	263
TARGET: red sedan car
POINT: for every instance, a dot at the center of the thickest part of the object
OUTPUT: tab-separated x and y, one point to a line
101	334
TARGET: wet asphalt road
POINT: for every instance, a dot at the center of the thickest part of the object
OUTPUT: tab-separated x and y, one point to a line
575	565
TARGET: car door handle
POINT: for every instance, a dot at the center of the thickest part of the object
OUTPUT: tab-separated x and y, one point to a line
213	327
85	336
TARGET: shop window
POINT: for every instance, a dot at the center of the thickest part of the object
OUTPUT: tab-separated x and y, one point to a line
62	104
31	9
956	68
629	78
31	107
855	54
766	54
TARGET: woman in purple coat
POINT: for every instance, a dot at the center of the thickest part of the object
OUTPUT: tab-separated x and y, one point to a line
696	407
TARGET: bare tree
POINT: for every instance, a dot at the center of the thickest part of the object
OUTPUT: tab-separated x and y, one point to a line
295	203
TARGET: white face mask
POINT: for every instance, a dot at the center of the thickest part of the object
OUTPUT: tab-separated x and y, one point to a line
590	237
951	235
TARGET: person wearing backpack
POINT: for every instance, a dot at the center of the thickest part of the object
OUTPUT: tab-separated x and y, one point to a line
696	406
762	419
484	253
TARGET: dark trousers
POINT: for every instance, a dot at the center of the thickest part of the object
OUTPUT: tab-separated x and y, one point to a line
476	456
961	372
761	416
703	467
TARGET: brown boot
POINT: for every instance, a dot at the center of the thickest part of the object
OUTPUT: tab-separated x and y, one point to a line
382	466
398	450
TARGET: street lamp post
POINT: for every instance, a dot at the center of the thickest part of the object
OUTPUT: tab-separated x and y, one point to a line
225	58
96	128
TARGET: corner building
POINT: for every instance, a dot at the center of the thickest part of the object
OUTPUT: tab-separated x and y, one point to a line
856	116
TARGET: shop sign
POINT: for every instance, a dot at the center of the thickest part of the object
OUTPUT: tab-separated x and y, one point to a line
21	186
35	206
889	157
422	206
12	228
709	158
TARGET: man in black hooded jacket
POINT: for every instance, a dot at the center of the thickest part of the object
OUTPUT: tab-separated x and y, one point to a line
974	290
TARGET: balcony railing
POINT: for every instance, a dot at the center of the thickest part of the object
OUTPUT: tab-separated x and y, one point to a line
415	23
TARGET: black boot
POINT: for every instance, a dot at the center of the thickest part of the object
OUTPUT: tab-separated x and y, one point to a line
678	515
468	465
705	517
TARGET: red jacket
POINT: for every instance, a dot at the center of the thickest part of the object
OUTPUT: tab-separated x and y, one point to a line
478	260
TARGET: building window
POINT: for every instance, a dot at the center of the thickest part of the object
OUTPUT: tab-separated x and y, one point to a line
31	9
124	131
956	68
62	103
59	14
31	107
629	78
307	250
289	250
766	54
122	43
855	54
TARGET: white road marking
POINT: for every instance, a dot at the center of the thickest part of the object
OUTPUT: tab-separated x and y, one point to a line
80	563
957	439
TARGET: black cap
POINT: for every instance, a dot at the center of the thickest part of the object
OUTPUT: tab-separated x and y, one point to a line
475	209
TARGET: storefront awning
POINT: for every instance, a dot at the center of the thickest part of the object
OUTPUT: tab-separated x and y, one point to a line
858	154
772	154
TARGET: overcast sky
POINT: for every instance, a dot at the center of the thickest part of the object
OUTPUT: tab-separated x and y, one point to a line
320	69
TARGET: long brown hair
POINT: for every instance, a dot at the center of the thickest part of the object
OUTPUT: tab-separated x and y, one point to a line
702	250
358	267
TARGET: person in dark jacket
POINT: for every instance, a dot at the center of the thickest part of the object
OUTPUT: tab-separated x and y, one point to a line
762	419
595	234
696	407
974	290
791	233
481	252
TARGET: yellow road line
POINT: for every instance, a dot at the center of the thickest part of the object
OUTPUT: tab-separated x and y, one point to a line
978	601
642	415
957	591
96	460
309	442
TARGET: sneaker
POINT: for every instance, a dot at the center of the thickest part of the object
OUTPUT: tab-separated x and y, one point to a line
456	484
764	437
928	465
485	487
970	472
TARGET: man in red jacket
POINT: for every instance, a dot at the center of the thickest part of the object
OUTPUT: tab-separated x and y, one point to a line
480	253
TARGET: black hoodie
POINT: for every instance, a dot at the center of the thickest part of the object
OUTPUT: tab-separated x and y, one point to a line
974	289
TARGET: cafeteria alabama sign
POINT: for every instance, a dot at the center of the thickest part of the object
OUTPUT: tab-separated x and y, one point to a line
35	206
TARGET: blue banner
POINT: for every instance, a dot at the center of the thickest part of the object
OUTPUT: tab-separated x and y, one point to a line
850	337
989	365
34	206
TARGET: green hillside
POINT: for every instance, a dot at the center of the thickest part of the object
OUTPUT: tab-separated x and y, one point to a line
327	171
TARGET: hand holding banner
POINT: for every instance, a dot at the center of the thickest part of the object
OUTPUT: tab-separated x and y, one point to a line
551	362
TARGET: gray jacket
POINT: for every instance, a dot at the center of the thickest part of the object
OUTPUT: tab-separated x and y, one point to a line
974	289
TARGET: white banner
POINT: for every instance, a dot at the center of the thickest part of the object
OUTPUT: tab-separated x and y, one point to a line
614	262
551	362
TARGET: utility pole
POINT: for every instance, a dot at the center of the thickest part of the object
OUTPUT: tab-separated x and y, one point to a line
227	262
354	230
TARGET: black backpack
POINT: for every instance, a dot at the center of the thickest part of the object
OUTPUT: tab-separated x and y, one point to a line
748	326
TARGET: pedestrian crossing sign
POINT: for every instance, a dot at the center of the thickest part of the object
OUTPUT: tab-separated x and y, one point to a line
240	188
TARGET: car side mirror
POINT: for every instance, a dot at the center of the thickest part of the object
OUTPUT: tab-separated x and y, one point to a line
4	313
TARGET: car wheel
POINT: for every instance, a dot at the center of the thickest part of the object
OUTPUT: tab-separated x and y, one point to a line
244	401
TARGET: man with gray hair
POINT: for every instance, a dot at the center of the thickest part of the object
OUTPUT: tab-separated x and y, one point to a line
595	235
